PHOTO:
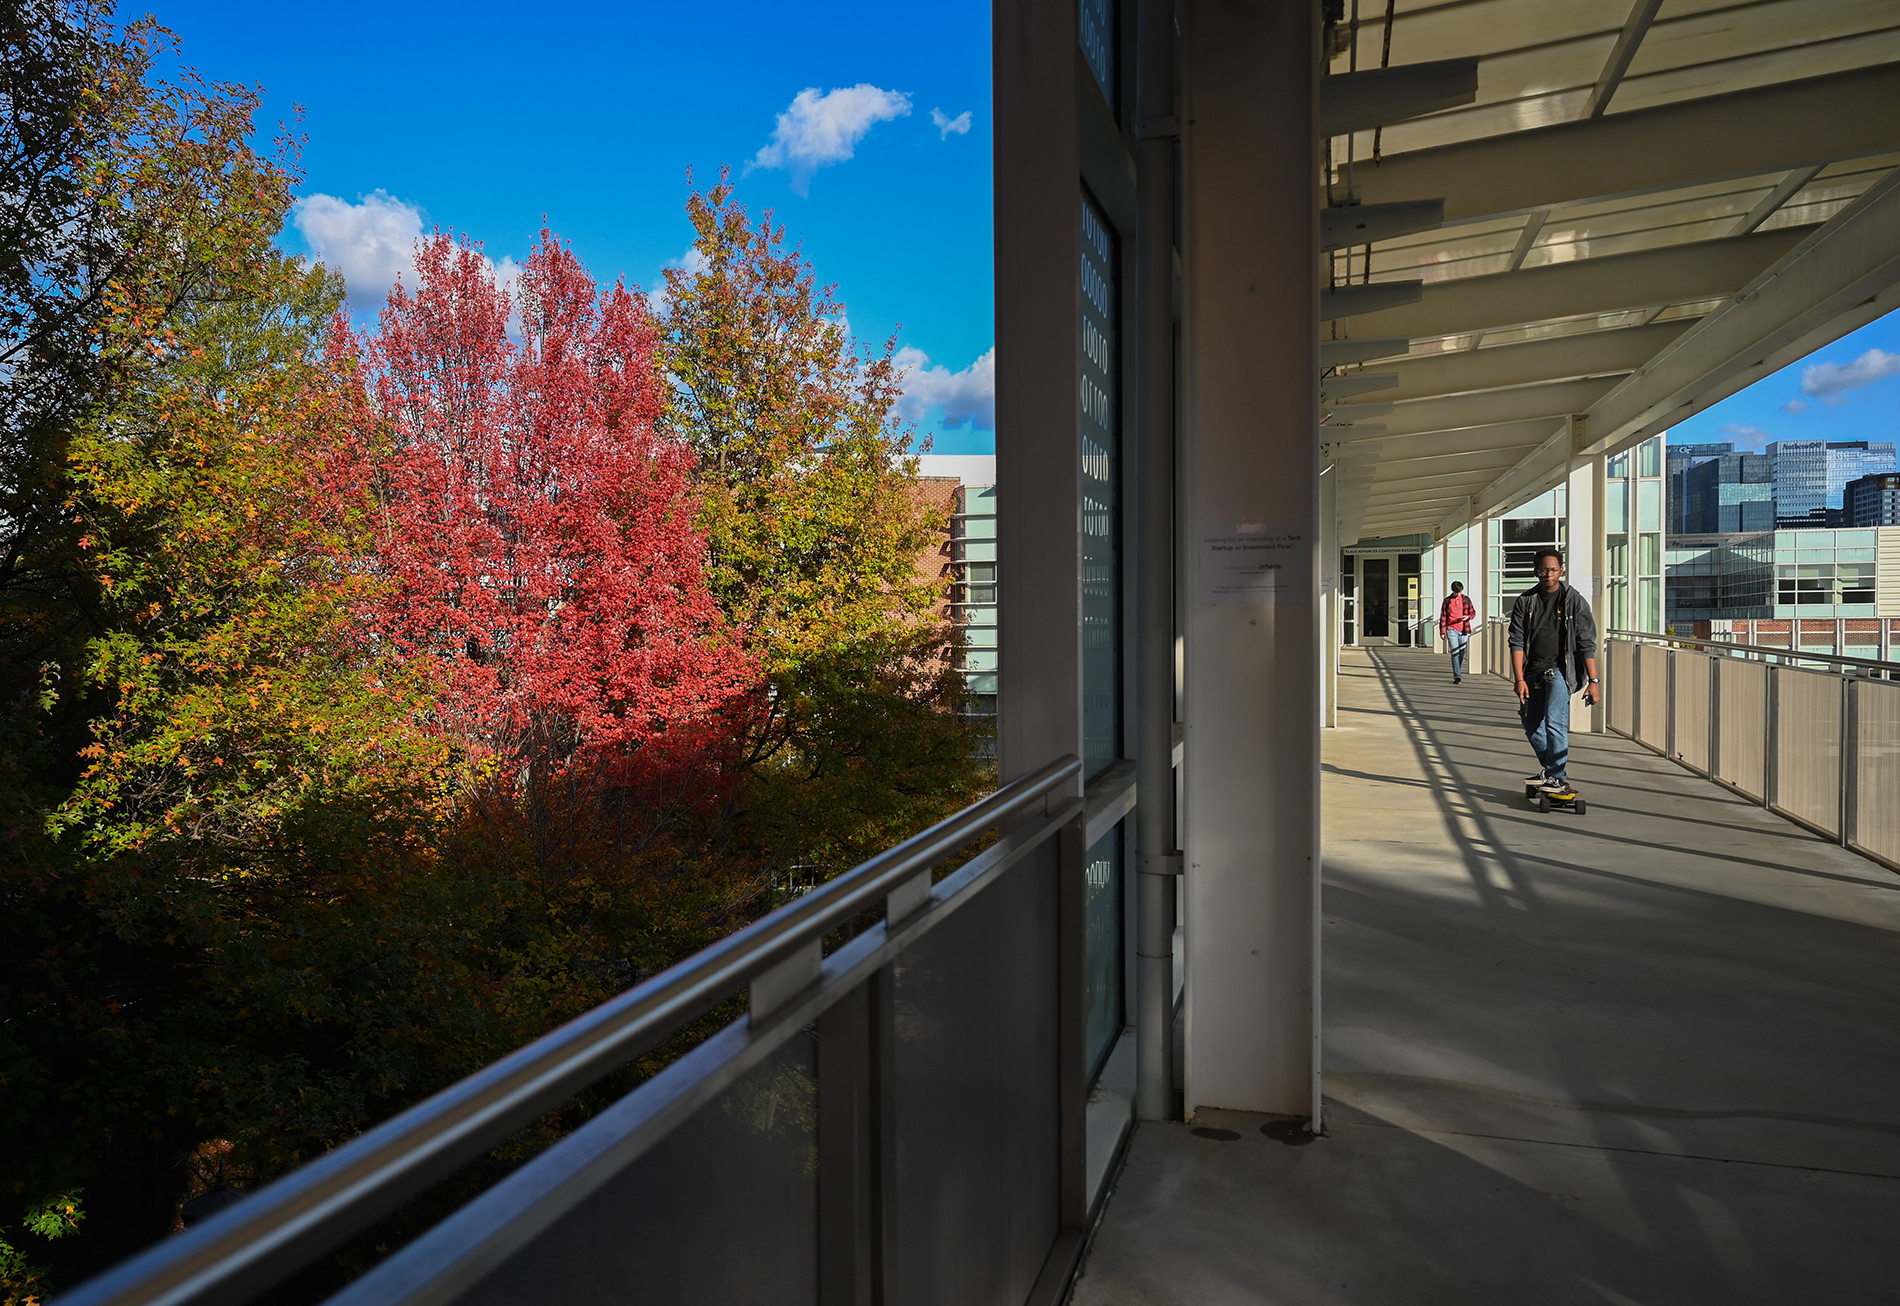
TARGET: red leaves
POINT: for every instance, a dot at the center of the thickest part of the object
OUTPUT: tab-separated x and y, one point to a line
535	530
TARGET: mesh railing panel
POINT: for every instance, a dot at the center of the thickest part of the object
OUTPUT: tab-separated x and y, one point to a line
1692	709
975	1115
1808	746
1619	685
1877	783
1742	726
723	1209
1652	695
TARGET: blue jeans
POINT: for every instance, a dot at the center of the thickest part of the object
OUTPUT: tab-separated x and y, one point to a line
1459	641
1546	719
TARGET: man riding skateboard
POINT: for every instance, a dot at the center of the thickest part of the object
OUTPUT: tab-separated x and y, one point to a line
1553	651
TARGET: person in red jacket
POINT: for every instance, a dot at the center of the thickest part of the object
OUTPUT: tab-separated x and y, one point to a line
1454	624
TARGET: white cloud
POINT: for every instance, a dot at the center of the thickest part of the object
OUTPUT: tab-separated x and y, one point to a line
1750	433
692	262
1795	406
966	396
1832	378
819	130
945	124
373	242
370	242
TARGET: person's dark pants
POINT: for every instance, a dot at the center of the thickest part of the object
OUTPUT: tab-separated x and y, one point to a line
1546	716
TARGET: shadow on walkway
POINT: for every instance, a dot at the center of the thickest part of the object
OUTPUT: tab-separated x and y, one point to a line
1645	1055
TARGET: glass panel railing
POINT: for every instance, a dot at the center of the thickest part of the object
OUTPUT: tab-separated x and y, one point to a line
893	1117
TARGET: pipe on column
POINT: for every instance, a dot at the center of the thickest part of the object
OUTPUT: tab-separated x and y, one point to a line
1158	862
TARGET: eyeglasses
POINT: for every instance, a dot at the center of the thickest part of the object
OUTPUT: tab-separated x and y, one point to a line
1550	571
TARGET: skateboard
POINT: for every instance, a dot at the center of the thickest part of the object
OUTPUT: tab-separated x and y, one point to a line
1568	801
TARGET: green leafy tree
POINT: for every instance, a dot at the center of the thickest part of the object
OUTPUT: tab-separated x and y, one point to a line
815	530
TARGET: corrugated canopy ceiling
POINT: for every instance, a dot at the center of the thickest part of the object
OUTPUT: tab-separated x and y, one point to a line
1646	207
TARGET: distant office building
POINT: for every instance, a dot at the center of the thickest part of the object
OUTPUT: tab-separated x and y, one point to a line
1727	494
1781	575
1811	476
1680	460
1873	500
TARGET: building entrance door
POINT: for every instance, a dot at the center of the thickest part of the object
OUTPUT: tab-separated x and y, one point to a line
1375	600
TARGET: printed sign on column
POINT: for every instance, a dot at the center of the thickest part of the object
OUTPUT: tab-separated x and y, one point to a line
1252	562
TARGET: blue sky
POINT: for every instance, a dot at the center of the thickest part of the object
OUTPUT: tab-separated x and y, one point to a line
1847	391
483	118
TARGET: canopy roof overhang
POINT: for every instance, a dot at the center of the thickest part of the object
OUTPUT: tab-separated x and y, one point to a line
1644	209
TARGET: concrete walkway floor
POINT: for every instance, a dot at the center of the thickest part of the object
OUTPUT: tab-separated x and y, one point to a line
1648	1055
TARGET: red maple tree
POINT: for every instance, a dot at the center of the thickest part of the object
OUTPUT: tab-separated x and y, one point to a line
535	531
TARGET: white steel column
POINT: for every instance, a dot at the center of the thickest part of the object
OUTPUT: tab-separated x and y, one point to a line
1600	565
1583	566
1329	591
1250	379
1039	474
1478	565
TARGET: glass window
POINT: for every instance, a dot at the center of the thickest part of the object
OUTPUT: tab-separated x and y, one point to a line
1616	506
1651	456
1651	554
1618	466
1618	547
1649	505
1096	32
1099	359
1652	596
1102	929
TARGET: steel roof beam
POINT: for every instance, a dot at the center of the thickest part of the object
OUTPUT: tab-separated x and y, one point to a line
1562	358
1517	404
1483	464
1378	97
1740	134
1350	301
1843	276
1642	14
1672	274
1338	353
1361	224
1432	444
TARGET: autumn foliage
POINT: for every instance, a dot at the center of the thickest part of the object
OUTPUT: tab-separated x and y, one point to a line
381	695
535	533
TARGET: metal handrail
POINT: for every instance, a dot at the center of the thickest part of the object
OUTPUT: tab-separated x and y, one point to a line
1768	650
255	1244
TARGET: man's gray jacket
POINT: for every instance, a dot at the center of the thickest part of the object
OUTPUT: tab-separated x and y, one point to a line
1577	631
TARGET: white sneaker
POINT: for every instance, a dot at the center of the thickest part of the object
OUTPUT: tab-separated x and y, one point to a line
1534	781
1553	785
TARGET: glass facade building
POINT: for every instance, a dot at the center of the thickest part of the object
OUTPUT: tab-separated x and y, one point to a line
1679	461
1732	493
1812	475
1777	576
1633	539
1872	500
973	591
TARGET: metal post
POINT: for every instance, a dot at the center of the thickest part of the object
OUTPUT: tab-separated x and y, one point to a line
1850	757
1715	715
847	1165
1669	704
1158	860
1636	692
1072	1025
1771	719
